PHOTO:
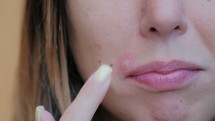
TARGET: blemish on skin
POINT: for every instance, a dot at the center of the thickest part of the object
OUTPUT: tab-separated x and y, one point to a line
99	61
98	46
142	9
111	65
170	109
121	113
125	62
90	46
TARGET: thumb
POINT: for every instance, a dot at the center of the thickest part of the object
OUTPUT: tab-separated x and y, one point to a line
42	115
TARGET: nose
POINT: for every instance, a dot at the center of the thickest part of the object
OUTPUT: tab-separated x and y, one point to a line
163	18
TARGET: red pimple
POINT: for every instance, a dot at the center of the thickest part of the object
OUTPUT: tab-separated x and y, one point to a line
125	62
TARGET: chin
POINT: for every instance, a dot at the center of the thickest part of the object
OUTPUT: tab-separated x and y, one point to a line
194	102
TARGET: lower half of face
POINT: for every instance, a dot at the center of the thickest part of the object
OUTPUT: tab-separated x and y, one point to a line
162	53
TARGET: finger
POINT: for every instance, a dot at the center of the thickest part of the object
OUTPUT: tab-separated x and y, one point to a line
43	115
90	96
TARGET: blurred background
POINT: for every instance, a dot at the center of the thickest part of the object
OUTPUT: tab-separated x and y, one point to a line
11	12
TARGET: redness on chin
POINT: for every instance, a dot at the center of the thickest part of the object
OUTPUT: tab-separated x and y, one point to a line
170	108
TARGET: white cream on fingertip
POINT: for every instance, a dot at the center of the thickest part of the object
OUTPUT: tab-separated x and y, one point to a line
38	111
102	73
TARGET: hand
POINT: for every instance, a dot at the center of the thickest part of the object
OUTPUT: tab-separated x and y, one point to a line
87	101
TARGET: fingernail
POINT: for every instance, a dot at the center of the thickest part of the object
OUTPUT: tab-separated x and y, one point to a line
38	111
102	73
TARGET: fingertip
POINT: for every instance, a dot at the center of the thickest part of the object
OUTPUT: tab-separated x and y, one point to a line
38	112
46	116
42	115
103	73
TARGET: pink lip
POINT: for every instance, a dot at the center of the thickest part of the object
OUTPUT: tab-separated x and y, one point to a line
161	76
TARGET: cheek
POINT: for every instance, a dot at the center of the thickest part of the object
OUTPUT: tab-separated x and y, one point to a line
87	56
203	18
90	54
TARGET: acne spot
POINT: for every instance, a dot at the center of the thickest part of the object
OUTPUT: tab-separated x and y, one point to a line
170	109
125	62
98	46
142	9
111	65
99	61
121	113
90	47
95	46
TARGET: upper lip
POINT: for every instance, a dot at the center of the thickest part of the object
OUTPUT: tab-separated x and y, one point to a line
164	67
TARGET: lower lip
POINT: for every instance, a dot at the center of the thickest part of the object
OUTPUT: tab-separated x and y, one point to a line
155	81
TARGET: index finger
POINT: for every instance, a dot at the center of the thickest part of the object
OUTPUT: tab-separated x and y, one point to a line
90	96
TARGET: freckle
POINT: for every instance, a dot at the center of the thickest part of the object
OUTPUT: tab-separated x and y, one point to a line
90	47
111	65
142	9
120	113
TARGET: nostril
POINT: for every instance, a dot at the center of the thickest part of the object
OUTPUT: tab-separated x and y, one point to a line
155	30
177	28
152	29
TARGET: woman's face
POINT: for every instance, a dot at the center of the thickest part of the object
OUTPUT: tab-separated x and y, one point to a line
162	53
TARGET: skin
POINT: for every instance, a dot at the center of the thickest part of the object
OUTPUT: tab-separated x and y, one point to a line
119	33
